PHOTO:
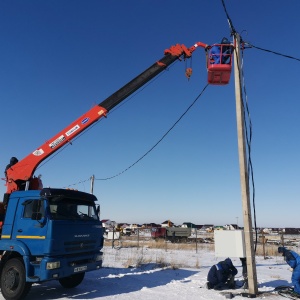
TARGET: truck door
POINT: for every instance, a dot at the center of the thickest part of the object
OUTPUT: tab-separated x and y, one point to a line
30	224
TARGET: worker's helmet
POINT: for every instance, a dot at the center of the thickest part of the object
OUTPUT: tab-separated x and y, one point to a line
225	41
281	250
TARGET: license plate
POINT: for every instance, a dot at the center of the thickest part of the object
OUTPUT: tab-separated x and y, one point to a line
79	269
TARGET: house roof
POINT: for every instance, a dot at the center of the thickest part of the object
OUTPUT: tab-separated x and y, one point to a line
166	222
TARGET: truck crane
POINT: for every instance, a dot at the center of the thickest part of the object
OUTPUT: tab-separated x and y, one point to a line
56	234
20	175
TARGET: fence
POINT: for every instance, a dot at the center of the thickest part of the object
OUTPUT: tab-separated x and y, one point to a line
142	238
266	244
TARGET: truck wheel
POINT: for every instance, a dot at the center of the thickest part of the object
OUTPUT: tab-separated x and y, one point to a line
71	281
13	280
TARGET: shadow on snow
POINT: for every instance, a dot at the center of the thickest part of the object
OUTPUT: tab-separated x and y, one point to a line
111	281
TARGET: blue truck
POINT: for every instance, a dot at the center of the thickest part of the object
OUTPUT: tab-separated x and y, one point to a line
49	234
56	234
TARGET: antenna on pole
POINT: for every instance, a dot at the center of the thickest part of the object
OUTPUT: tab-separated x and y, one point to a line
92	184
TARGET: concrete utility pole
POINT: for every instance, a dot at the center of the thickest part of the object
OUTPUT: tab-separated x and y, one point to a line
250	255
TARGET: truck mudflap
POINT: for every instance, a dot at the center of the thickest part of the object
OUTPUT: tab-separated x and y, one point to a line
52	268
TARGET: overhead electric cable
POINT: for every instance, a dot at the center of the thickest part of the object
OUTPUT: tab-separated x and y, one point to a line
109	113
248	135
79	182
178	120
249	141
270	51
111	177
228	19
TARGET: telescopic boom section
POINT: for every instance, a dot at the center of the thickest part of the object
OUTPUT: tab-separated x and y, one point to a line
22	172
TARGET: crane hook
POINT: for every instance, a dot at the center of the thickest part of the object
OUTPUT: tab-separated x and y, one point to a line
188	73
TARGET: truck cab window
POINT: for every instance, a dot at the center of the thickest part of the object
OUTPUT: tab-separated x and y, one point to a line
70	209
33	206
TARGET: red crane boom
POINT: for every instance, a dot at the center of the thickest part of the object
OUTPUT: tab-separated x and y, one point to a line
20	175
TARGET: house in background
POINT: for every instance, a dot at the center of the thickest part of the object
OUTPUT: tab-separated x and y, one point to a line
108	224
207	228
188	225
167	223
150	225
219	227
231	227
288	230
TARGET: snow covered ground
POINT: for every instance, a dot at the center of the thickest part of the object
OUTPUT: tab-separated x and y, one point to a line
145	273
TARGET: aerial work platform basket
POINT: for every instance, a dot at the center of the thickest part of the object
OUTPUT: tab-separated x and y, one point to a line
219	64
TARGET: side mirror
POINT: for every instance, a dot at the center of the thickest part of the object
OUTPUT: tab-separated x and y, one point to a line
98	210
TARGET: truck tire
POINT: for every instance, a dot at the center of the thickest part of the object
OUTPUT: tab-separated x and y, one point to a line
71	281
13	280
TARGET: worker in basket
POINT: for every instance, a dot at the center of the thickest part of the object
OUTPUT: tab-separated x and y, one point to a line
220	53
219	63
293	260
221	275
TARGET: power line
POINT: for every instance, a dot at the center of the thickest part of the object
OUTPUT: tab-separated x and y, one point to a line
247	126
247	44
270	51
178	120
109	113
155	145
77	183
228	19
249	141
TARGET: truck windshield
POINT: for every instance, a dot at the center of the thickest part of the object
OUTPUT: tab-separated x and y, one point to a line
70	209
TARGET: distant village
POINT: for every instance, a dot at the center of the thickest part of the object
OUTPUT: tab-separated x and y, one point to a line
208	228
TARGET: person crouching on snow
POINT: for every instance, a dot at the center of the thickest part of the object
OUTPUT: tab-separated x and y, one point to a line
293	260
221	275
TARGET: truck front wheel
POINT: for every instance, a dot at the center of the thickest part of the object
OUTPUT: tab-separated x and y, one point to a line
13	280
71	281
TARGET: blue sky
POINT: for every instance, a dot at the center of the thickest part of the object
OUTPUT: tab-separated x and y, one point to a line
60	58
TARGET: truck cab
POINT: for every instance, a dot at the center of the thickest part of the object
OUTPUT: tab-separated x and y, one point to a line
49	234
